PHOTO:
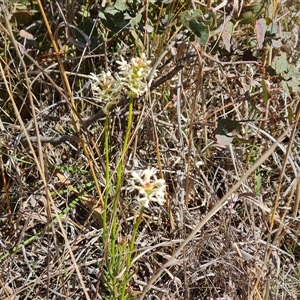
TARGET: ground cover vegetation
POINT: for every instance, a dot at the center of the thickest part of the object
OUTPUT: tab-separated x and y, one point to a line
149	149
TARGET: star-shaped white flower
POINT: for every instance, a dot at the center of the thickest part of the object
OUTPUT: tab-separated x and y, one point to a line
150	189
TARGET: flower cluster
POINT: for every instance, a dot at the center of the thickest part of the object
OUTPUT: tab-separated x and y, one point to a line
134	74
132	79
150	189
106	88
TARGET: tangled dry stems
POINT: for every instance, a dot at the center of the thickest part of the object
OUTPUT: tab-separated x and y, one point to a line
240	252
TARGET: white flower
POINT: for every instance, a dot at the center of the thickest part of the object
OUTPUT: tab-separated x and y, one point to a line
134	74
106	88
150	188
132	77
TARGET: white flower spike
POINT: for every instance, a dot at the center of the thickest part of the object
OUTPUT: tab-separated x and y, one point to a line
106	88
131	77
134	74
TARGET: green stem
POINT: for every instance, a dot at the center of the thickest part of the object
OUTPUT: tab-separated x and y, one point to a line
113	255
121	165
130	252
107	178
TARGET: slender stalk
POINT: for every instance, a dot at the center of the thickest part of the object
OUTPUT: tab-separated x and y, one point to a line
107	178
115	262
130	252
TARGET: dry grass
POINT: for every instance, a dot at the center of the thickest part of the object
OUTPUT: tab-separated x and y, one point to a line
230	226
